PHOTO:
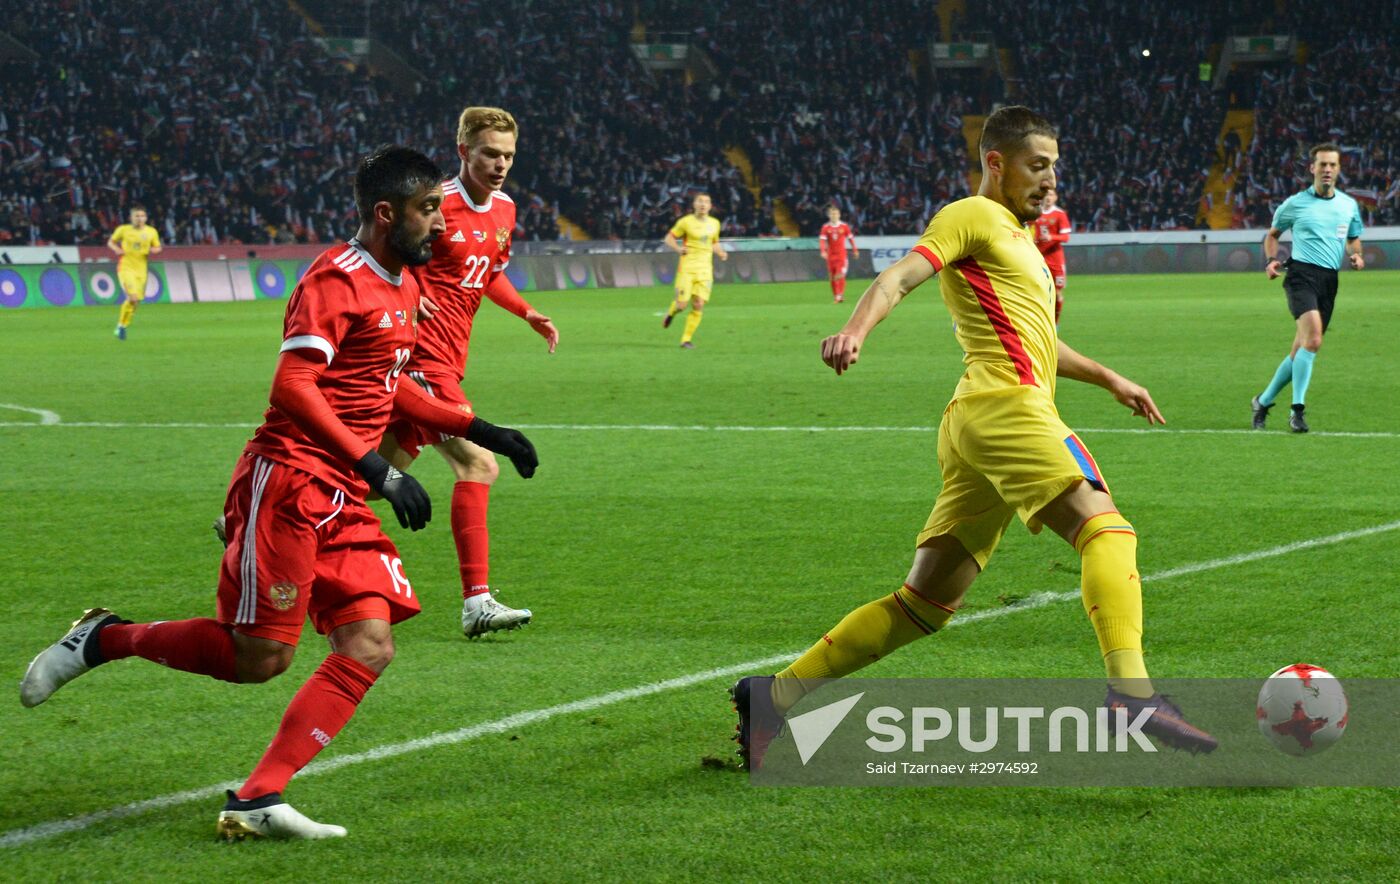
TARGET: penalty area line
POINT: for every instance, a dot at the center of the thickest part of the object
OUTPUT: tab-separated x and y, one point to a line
41	831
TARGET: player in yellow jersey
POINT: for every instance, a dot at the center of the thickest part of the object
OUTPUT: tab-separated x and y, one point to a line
132	243
1002	449
696	239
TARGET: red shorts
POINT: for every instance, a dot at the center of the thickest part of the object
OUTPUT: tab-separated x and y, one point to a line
836	268
438	385
299	546
1057	273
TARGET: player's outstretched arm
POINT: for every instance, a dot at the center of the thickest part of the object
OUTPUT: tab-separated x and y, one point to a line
1078	367
842	350
502	291
295	394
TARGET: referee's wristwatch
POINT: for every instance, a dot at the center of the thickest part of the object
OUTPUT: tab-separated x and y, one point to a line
1268	261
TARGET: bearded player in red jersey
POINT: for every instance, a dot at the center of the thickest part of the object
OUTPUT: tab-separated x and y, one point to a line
1052	231
468	261
832	241
302	541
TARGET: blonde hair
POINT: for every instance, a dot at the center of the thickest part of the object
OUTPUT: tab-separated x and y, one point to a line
475	120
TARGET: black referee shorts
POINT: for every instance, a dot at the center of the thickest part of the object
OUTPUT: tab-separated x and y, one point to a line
1310	287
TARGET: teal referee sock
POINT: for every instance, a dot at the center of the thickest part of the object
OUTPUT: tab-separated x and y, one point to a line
1302	374
1282	376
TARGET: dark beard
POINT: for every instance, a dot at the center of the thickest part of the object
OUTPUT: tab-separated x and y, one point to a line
414	254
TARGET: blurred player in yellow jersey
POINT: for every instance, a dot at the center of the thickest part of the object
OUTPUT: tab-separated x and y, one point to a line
696	239
131	243
1002	448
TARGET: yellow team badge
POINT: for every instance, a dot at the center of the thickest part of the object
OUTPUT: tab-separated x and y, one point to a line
502	239
283	595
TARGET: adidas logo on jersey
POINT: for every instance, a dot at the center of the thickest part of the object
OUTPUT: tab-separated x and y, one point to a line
386	322
458	237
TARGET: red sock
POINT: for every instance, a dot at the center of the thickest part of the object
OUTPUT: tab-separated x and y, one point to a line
839	284
202	645
469	530
1059	305
316	714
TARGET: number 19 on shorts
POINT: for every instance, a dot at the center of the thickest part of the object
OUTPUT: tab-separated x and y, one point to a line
395	568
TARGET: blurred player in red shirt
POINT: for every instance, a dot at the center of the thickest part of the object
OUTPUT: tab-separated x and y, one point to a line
302	541
834	237
468	261
1052	231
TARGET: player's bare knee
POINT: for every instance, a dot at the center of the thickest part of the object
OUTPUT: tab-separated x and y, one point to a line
482	469
368	642
697	305
375	652
259	660
469	462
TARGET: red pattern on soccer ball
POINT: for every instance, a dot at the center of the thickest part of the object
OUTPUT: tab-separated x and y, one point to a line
1300	727
1304	671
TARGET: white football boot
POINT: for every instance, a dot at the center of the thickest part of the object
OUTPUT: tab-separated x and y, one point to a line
270	817
65	659
482	614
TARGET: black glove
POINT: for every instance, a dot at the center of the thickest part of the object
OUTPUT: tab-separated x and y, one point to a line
410	501
504	440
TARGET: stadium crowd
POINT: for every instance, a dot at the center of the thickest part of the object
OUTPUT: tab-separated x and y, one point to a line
614	148
829	118
1136	155
232	124
1348	92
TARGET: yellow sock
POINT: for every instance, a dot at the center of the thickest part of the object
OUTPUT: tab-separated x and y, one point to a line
1112	594
692	322
865	635
124	317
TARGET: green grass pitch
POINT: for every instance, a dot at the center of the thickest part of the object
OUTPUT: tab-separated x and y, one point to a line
650	554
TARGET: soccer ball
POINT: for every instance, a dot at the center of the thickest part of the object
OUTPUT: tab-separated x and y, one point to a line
1302	709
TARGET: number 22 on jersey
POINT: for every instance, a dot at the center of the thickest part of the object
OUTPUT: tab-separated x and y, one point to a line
476	267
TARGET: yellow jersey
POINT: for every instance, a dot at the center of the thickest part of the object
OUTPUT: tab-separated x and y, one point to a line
699	237
135	244
1000	293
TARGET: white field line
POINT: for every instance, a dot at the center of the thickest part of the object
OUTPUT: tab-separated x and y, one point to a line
46	418
40	831
686	428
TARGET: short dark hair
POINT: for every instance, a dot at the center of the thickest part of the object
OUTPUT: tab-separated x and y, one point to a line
1324	147
394	174
136	207
1008	128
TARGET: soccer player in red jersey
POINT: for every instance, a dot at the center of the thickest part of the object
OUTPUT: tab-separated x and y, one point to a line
302	541
833	240
469	261
1052	231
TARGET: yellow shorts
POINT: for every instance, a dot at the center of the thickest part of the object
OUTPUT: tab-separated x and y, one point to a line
133	282
690	284
1003	453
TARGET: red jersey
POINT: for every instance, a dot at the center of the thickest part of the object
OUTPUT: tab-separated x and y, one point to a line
1052	231
834	240
466	259
362	320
